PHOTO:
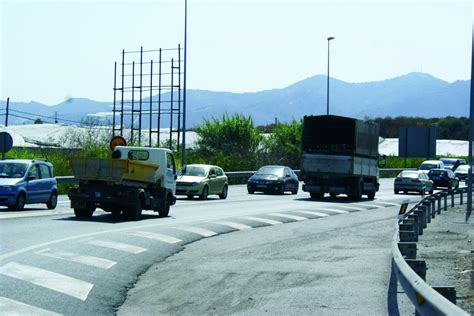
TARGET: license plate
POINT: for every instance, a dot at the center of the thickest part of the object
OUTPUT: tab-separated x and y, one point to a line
261	186
97	194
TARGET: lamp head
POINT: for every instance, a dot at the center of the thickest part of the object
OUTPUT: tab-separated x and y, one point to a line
330	38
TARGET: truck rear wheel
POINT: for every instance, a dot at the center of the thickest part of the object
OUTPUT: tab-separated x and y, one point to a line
164	209
135	213
84	212
357	189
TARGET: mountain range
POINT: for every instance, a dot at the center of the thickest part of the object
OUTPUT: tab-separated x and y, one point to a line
413	94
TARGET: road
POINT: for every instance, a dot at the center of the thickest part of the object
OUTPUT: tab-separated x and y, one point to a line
52	262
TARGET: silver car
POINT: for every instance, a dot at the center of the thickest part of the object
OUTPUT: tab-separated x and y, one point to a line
413	180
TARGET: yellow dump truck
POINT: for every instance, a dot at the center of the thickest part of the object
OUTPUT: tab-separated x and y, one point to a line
134	179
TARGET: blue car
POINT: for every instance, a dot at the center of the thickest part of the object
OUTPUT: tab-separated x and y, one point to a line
26	182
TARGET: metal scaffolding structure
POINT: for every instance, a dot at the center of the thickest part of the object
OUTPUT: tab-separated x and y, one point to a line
150	96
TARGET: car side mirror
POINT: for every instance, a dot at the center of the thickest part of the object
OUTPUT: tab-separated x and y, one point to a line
211	176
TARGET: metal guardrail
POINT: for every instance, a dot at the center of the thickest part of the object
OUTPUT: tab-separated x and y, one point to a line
233	174
411	273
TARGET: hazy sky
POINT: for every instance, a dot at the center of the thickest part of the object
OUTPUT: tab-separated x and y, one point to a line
53	50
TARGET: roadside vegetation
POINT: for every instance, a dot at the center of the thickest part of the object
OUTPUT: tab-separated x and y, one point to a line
234	143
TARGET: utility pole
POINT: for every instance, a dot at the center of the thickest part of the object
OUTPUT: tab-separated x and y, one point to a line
327	93
6	111
471	137
183	155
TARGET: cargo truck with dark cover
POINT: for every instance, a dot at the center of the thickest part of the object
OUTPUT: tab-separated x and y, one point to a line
339	156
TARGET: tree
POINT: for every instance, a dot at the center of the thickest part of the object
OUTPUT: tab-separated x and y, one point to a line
38	121
283	145
230	142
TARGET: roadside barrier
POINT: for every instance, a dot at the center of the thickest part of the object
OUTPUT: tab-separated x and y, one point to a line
235	174
411	273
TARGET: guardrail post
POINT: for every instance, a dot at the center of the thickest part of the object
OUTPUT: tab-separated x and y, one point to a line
419	266
418	226
408	236
422	218
461	194
408	249
426	215
452	197
445	198
439	203
427	205
447	291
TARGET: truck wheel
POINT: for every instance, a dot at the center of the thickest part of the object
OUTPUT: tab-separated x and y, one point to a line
356	193
164	209
204	193
135	213
371	195
317	196
53	201
333	195
84	212
190	196
225	190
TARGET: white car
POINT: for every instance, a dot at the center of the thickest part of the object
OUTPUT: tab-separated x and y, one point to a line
413	180
427	165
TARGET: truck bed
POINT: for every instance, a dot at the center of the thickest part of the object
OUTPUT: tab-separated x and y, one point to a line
113	170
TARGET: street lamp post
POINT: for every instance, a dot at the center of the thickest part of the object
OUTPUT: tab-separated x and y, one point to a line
327	112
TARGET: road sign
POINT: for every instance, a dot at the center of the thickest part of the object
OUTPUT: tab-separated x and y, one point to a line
6	143
117	141
403	209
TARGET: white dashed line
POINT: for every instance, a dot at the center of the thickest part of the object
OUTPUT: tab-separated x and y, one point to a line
333	210
352	208
313	213
197	230
13	308
370	205
387	203
155	236
51	280
296	218
235	225
116	245
69	256
263	220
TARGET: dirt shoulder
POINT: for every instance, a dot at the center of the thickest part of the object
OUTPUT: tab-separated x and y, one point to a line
447	246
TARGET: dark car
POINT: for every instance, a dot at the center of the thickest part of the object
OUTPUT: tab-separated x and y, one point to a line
452	163
27	181
443	178
462	171
273	179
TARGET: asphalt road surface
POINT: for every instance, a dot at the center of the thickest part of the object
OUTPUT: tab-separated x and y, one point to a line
51	262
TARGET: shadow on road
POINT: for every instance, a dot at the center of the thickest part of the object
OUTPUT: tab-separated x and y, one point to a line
109	218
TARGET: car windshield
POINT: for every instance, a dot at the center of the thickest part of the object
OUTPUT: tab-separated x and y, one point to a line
437	173
427	166
408	174
195	171
12	169
277	171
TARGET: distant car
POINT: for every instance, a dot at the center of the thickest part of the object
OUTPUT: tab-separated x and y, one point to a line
413	180
276	179
427	165
202	180
452	163
461	172
443	178
26	182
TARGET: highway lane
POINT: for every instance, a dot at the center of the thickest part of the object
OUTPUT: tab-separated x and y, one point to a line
53	261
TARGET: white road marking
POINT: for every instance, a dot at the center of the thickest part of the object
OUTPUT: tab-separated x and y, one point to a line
352	208
13	308
155	236
87	260
387	203
235	225
51	280
313	213
197	230
263	220
370	205
333	210
116	245
296	218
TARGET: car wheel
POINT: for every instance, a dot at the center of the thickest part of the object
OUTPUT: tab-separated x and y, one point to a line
53	201
250	191
225	190
295	191
395	191
204	193
431	191
20	202
457	186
